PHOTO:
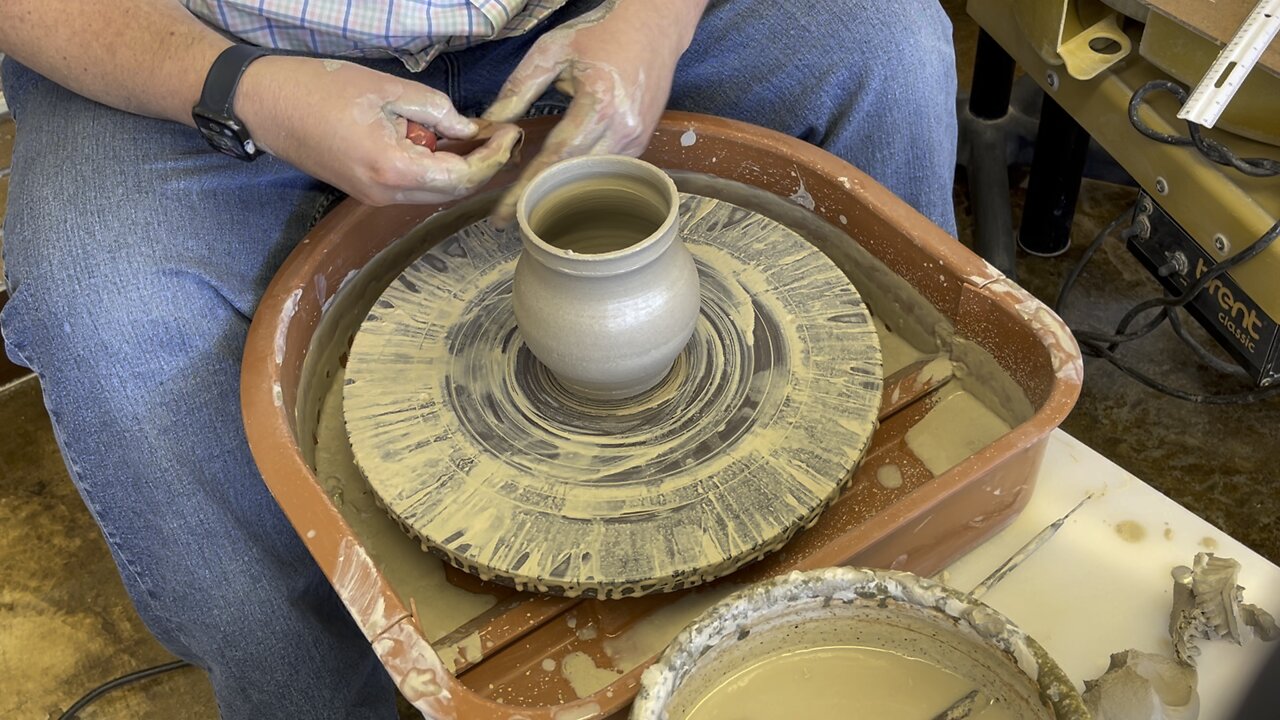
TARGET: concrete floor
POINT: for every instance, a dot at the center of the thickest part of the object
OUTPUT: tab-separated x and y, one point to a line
66	623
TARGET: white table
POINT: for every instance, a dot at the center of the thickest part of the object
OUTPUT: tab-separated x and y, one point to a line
1089	592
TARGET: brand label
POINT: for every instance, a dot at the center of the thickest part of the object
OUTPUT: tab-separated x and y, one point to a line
1236	320
1236	312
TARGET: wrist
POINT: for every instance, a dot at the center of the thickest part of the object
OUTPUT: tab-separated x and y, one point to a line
197	70
258	97
690	14
672	21
215	113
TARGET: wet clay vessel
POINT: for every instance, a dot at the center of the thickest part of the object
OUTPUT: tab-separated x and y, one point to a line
605	293
891	644
489	660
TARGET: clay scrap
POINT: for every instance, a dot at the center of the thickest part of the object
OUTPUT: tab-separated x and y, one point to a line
1143	686
1208	604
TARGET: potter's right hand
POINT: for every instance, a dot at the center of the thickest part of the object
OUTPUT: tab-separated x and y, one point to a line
347	125
617	63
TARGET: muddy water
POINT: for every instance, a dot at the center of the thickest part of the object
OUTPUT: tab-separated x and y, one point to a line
842	681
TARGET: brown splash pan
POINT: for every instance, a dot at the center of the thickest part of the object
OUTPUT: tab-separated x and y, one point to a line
894	256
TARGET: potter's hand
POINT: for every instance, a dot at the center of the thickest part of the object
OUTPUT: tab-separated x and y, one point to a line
616	62
347	125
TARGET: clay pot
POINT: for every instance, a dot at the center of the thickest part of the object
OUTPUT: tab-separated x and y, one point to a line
884	613
606	295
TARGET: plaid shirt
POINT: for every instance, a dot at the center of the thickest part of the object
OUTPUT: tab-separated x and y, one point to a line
416	31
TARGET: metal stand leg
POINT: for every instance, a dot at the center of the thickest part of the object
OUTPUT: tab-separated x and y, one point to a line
992	80
1061	148
987	160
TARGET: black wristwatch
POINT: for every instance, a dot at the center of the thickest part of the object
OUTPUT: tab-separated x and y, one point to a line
214	115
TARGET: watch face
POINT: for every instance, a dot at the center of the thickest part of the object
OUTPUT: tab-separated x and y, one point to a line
225	136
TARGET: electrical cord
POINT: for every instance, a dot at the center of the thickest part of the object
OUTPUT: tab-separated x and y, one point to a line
120	682
1069	283
1241	398
1103	345
1210	148
1223	366
1166	302
1214	151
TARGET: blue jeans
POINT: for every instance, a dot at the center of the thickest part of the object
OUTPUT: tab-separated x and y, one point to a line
136	256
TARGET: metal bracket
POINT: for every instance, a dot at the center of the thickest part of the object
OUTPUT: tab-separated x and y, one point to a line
1083	35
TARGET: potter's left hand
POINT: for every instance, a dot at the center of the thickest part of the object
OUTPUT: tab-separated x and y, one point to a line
616	62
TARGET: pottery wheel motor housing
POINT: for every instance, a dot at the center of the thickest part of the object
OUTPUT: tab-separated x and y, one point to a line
637	391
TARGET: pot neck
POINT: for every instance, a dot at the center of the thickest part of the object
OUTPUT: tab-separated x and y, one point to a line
589	216
604	264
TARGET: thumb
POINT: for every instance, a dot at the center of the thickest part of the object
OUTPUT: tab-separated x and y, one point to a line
531	78
433	109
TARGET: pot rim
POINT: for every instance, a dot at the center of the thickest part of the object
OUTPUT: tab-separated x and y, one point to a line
614	261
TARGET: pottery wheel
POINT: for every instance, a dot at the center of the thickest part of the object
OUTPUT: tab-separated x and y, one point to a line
474	448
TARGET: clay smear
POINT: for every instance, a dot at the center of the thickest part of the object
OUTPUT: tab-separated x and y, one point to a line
889	476
655	631
584	676
1131	531
957	427
639	643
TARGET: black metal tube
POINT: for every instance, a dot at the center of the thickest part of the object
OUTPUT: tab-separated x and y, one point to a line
989	196
1061	149
986	154
992	79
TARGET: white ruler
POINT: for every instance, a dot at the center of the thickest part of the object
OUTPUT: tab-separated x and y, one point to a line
1235	61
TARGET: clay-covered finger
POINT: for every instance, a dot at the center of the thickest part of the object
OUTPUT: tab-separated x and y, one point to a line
423	197
454	176
579	129
576	133
566	85
487	131
531	78
484	162
434	110
505	211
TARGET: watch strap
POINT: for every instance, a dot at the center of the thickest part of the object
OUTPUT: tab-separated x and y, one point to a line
219	92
